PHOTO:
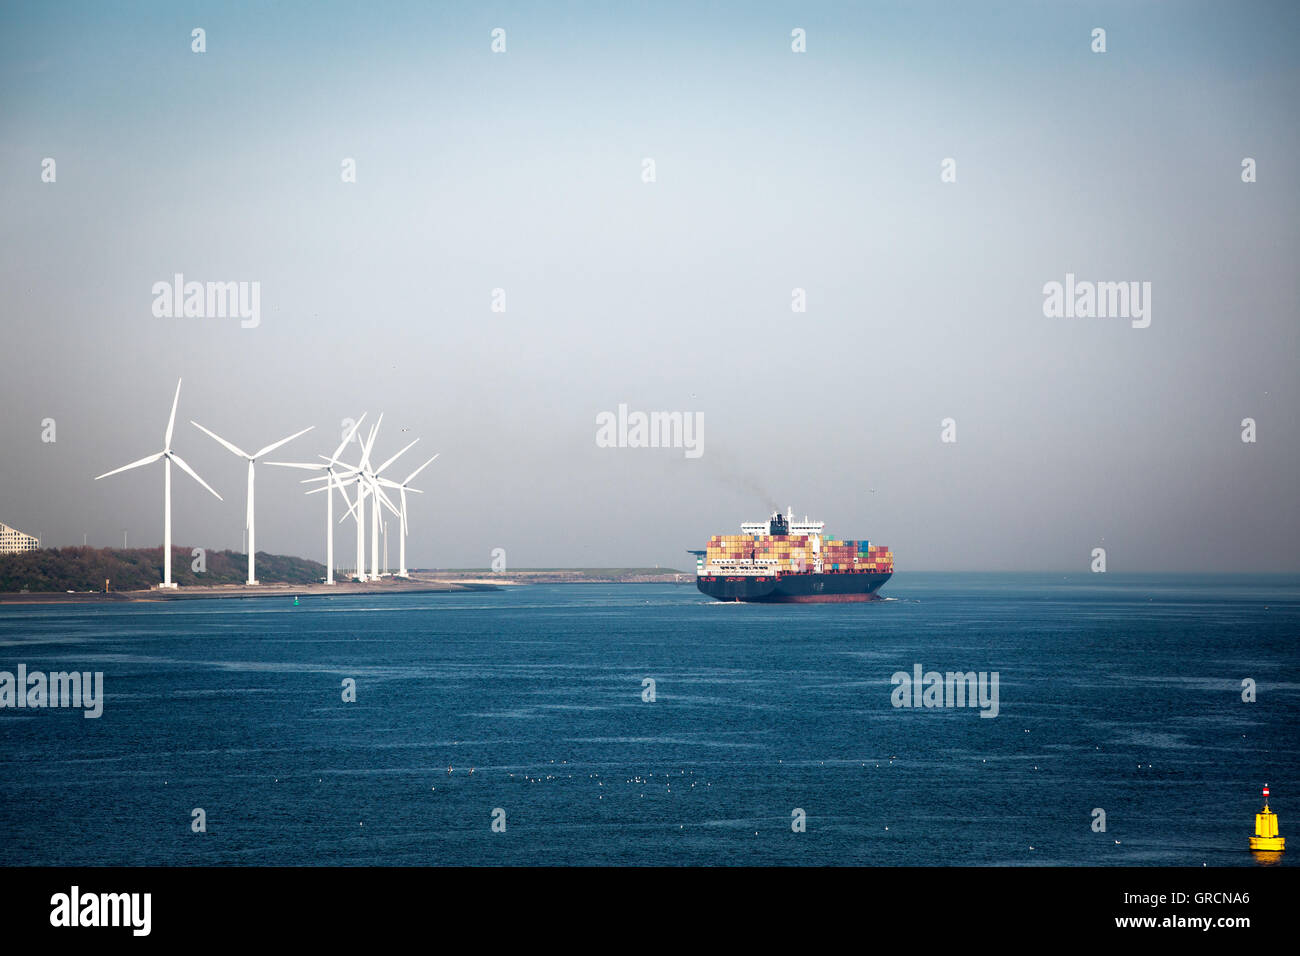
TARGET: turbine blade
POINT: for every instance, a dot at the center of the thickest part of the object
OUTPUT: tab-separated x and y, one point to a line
135	464
352	508
171	422
343	489
309	466
370	442
365	446
411	477
192	473
404	526
347	438
272	447
383	499
234	448
394	458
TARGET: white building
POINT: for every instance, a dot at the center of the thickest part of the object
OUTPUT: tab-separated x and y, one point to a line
12	540
783	524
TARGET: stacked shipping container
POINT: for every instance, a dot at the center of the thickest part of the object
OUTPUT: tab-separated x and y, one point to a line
856	556
795	554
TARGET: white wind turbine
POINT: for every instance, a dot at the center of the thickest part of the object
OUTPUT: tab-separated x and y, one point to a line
362	490
252	531
332	480
373	481
404	487
168	456
354	475
366	478
360	515
344	476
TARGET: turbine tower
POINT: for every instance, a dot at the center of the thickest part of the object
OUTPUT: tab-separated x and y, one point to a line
357	510
361	530
365	478
168	456
367	484
373	480
252	530
403	488
363	489
351	475
332	480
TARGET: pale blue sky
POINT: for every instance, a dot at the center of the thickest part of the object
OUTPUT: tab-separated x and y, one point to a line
775	170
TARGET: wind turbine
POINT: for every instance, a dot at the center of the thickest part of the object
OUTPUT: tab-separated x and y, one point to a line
373	479
331	480
354	475
168	456
359	473
404	487
365	477
349	475
370	489
362	490
361	528
252	531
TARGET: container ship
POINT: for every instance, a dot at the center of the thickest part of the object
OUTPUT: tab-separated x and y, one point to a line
781	560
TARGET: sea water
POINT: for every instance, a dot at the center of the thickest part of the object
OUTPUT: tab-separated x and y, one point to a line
648	724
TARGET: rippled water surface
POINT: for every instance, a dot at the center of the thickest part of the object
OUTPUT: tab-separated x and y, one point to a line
1115	692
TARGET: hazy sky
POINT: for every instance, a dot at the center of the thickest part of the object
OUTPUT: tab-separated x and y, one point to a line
775	170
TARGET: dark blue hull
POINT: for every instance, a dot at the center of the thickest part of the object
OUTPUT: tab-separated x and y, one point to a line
830	587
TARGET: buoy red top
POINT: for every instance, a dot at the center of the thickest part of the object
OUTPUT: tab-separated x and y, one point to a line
1265	791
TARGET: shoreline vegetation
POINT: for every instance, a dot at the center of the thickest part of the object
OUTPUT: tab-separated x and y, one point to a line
77	575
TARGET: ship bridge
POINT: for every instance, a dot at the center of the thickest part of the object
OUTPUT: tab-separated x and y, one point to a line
779	524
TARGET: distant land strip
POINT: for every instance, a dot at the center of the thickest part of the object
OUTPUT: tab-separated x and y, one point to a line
561	575
97	575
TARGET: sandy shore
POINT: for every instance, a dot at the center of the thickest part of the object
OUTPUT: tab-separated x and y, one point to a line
418	582
196	592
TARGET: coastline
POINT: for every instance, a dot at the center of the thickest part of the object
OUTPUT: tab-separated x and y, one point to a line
241	591
420	582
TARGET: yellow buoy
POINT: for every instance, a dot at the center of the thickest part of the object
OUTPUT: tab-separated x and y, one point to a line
1266	837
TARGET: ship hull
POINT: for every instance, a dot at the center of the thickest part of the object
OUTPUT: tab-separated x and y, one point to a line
833	588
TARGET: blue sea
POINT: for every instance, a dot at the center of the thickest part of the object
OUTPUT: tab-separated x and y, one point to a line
527	706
